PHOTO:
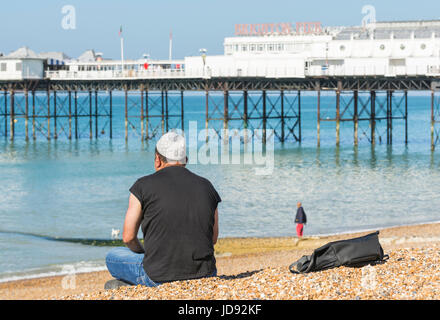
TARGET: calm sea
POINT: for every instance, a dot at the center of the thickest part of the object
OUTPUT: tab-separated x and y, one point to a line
79	188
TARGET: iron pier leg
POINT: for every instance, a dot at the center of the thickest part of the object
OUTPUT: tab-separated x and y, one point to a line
111	114
12	115
48	113
142	112
318	129
225	116
355	117
147	124
182	119
6	112
34	136
391	117
207	114
90	115
76	114
264	117
245	116
26	119
162	112
373	117
245	109
406	116
70	114
126	114
282	116
96	114
432	120
55	115
338	116
166	111
299	116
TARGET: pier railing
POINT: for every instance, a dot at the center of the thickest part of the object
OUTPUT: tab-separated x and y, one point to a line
268	72
115	74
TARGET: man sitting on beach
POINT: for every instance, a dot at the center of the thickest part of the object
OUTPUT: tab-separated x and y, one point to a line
177	211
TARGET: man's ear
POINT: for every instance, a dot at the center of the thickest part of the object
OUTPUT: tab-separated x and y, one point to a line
157	162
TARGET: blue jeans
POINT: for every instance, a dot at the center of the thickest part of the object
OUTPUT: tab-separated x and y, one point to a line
123	264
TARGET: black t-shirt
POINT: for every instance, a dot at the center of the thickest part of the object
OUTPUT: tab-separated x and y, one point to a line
178	209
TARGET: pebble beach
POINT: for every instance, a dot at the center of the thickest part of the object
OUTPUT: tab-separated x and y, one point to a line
257	268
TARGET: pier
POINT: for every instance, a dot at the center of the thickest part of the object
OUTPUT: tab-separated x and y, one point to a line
257	83
74	109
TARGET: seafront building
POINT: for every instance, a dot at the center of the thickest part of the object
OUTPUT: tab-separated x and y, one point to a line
265	50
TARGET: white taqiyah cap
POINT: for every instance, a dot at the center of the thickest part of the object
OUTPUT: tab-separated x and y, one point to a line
172	146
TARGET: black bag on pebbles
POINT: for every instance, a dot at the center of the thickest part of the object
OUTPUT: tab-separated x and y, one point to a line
357	252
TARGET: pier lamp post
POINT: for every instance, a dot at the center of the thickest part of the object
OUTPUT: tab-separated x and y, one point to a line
203	52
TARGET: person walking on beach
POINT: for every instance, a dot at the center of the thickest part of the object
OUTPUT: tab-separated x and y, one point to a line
177	212
300	220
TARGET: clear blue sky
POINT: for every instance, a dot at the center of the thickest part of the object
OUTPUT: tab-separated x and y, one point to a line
195	23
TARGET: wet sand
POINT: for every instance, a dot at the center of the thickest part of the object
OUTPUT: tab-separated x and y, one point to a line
258	268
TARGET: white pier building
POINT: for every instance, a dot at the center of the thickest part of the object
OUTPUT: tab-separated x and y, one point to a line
390	49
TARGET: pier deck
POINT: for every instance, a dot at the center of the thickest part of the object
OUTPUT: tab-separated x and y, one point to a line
63	98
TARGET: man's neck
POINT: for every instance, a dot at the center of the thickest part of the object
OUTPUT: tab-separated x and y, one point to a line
167	165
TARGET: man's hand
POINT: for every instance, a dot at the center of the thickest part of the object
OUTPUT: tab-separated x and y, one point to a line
133	219
215	231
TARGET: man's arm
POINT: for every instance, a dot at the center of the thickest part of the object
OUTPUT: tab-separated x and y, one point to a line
133	219
215	231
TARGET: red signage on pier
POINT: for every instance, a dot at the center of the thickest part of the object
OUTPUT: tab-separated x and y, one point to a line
261	29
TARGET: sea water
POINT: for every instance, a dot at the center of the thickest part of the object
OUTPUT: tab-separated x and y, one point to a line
79	189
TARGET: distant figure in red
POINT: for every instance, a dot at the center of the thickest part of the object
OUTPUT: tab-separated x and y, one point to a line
300	220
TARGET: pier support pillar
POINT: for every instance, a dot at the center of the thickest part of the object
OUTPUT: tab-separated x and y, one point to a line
389	117
147	120
264	117
96	114
299	117
142	112
162	113
338	116
26	114
55	134
34	134
406	116
90	115
166	112
110	97
373	117
435	112
12	114
5	94
182	117
207	114
126	113
70	114
48	113
355	117
318	129
225	116
283	121
76	114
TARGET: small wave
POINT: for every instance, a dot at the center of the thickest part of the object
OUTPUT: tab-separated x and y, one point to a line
84	241
54	270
